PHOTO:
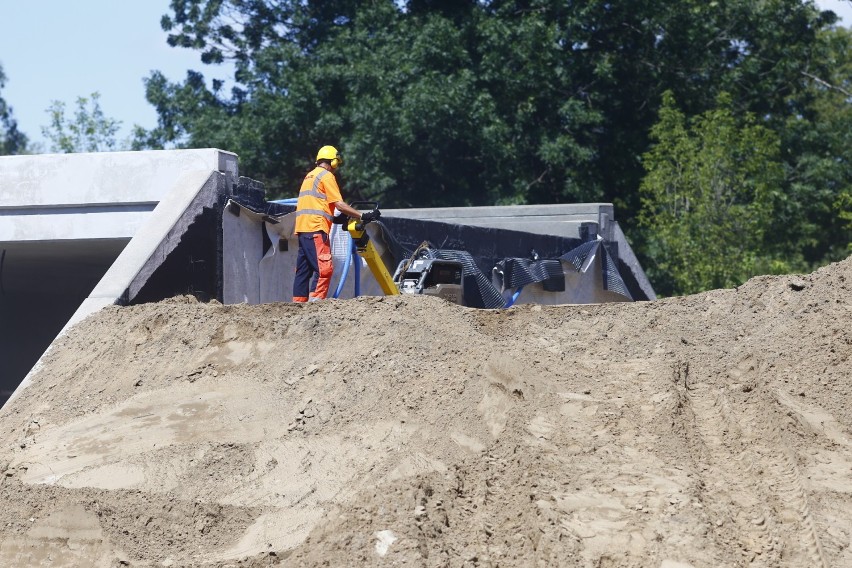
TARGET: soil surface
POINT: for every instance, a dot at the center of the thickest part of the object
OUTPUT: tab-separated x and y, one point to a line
700	431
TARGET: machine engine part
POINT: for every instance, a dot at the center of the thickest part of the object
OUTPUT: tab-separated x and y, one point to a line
432	277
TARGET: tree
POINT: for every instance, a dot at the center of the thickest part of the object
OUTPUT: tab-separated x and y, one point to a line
12	140
440	103
708	199
506	101
817	145
88	131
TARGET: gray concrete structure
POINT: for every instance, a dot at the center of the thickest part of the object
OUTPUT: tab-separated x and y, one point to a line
83	231
561	220
564	220
253	275
259	267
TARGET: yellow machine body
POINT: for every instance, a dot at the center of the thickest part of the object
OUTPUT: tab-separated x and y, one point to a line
367	250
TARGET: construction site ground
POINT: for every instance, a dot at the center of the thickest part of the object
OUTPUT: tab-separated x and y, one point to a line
701	431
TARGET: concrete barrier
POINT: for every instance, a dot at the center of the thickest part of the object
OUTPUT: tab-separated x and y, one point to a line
81	231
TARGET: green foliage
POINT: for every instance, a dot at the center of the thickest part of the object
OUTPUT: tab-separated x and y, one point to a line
88	131
419	99
708	198
818	150
465	102
843	205
12	140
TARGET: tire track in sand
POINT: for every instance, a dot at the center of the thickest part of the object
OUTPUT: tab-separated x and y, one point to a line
752	487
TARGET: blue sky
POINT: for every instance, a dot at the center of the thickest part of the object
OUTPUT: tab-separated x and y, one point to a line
59	50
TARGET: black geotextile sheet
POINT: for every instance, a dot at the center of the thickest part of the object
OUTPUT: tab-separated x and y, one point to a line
527	257
479	291
517	271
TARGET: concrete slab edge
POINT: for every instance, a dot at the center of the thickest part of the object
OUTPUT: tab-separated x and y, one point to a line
155	236
625	252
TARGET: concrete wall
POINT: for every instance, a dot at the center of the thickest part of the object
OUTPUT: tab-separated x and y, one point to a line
561	220
259	259
80	231
93	196
258	268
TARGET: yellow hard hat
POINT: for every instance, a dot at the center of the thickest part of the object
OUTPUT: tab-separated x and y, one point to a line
330	153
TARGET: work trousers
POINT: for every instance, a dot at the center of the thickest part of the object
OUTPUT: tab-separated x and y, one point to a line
313	259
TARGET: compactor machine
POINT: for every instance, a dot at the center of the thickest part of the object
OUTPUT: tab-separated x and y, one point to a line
420	274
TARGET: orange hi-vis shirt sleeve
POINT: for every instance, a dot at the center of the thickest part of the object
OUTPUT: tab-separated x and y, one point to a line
317	196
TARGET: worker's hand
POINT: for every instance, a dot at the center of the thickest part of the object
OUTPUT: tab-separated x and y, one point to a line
370	216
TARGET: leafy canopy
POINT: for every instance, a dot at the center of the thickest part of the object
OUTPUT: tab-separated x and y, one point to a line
87	131
465	102
708	198
12	140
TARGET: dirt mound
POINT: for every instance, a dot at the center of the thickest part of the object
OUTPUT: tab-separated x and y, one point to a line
707	430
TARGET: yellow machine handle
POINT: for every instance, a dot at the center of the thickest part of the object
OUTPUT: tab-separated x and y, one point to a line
368	252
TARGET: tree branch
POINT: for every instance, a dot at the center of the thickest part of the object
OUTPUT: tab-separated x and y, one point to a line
826	83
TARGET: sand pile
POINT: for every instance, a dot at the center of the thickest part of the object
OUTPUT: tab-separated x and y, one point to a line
709	430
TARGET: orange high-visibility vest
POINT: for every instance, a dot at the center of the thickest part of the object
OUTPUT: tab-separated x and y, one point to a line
317	197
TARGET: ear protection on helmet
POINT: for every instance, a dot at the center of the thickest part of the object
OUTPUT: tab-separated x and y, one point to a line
337	161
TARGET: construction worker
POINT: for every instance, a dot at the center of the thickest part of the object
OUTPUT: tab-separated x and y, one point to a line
319	197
